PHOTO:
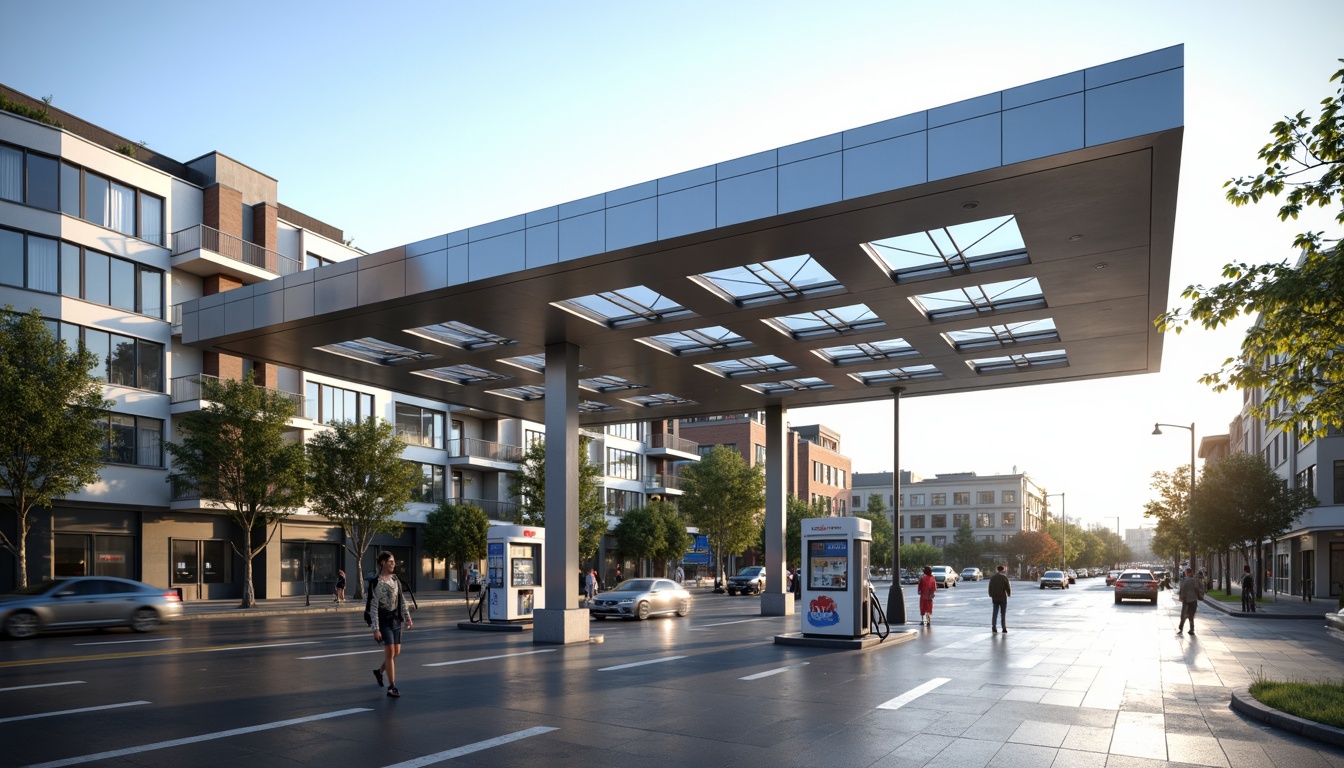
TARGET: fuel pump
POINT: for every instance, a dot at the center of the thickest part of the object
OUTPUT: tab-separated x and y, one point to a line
835	593
513	572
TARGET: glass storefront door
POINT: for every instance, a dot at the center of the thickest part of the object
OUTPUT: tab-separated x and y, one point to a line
85	554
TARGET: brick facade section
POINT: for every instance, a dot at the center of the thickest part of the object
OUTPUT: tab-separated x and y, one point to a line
222	209
222	366
266	375
745	435
219	284
264	218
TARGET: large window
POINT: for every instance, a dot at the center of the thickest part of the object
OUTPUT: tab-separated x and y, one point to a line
1008	497
622	464
27	177
984	519
961	518
201	562
1339	482
916	499
940	541
84	554
984	497
939	521
430	488
630	430
420	426
1009	519
326	404
120	360
938	499
619	502
760	455
961	498
51	266
132	440
916	521
531	437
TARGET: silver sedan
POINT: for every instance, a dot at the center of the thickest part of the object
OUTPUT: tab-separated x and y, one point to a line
640	599
86	602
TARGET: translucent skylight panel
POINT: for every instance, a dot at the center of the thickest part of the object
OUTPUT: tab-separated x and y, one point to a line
749	366
896	375
804	384
592	406
826	322
526	393
713	338
626	306
609	384
1004	335
1010	294
460	335
371	350
463	375
945	250
786	278
533	363
657	401
987	237
865	351
1019	363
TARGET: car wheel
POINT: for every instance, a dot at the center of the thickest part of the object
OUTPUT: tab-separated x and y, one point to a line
684	608
144	619
21	626
732	592
1042	586
642	610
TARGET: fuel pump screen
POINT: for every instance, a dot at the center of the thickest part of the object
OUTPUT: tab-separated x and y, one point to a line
828	564
524	566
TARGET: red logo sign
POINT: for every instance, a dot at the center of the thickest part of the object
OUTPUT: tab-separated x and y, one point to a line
528	533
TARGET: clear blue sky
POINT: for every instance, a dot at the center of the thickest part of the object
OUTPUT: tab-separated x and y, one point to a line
400	121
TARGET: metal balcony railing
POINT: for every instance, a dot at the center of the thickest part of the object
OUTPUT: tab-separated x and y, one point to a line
233	247
181	489
505	511
175	319
484	449
184	389
662	481
672	442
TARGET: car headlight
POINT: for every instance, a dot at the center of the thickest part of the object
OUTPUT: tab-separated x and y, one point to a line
627	600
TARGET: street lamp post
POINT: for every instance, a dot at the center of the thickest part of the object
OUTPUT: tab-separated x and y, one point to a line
1063	530
1189	497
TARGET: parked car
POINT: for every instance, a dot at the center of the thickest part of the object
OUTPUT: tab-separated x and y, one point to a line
944	576
86	602
909	577
1111	576
1073	576
972	574
749	581
640	599
1136	585
1054	580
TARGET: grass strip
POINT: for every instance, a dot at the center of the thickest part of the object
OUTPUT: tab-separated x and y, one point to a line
1319	702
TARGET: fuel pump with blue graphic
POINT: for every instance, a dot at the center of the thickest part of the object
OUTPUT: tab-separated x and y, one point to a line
835	576
513	571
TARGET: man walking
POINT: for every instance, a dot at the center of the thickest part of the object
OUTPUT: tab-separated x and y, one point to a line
1247	590
999	590
1190	593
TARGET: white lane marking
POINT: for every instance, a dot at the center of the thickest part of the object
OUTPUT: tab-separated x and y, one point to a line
334	655
71	711
42	685
196	739
640	663
770	672
123	642
913	693
1026	662
439	757
252	647
726	623
488	658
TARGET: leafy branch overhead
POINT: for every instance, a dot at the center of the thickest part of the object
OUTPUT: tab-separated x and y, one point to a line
1292	352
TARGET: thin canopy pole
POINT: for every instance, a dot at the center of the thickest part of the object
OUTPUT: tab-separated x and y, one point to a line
896	597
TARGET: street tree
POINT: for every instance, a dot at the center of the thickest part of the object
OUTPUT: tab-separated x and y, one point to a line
234	451
358	480
676	540
529	486
724	499
457	533
1292	352
1171	510
876	505
884	536
1114	549
640	534
54	437
964	550
915	556
1037	548
1091	550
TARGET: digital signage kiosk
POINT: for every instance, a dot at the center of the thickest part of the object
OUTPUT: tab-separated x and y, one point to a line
834	574
513	571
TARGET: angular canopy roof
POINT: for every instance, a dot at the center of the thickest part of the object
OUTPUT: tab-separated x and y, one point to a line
1017	238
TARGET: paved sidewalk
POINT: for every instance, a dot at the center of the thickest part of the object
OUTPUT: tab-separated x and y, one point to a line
1280	607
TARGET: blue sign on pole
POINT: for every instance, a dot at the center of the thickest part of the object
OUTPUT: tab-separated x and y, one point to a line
698	554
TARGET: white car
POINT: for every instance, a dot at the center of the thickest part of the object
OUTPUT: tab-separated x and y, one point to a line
972	574
944	576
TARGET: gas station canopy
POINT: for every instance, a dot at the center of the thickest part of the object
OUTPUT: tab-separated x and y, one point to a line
1017	238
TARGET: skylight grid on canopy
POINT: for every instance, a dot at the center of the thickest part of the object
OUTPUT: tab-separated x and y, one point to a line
788	278
804	384
371	350
1005	335
592	406
656	401
462	375
748	366
460	335
981	299
526	393
865	351
714	338
826	322
624	307
984	244
1021	362
896	375
604	384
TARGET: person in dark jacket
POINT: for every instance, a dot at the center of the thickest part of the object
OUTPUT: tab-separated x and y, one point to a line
1190	592
1247	589
999	590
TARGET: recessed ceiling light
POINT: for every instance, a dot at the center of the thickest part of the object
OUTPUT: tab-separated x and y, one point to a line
1100	265
969	205
1075	237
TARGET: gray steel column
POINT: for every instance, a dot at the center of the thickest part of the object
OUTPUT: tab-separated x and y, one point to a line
776	600
558	622
896	597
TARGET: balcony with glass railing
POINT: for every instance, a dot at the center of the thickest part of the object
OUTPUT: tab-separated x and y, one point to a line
206	251
187	390
483	455
666	446
663	485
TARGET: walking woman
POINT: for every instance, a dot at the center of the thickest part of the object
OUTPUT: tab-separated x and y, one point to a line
927	587
340	586
388	613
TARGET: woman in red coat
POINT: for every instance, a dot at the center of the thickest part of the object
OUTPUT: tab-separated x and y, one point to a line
927	587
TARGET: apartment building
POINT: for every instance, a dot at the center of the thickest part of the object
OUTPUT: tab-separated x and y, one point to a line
106	238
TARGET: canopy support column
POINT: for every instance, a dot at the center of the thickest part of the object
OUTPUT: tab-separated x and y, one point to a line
559	623
896	597
776	600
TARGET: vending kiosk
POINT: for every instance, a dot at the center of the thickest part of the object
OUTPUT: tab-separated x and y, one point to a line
513	571
834	573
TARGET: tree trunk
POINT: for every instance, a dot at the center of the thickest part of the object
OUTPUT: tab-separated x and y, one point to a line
22	563
249	594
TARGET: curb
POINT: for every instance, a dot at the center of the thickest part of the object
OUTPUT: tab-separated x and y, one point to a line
1246	704
1224	609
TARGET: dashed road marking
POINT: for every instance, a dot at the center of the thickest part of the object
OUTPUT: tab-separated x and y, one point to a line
770	672
71	711
41	685
439	757
488	658
913	693
640	663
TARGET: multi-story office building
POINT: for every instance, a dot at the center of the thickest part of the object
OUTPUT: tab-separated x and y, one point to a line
997	507
105	238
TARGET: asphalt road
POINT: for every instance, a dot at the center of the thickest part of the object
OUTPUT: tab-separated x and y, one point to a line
1079	681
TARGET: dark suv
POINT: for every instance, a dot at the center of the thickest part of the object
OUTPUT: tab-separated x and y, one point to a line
748	581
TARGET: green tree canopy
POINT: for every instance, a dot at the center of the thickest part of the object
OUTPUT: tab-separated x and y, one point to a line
880	552
1292	352
1240	501
1172	536
724	499
457	533
358	480
676	540
915	556
529	486
964	550
640	534
795	511
1037	548
234	451
55	436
